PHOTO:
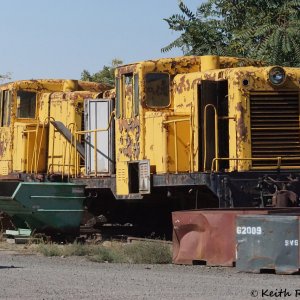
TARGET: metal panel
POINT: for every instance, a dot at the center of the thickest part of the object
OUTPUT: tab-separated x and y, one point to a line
43	207
268	242
97	113
275	127
206	236
144	177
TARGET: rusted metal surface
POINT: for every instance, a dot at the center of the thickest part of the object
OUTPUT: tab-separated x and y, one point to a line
129	140
241	126
206	236
268	243
52	85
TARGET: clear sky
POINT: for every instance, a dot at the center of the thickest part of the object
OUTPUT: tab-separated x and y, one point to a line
61	38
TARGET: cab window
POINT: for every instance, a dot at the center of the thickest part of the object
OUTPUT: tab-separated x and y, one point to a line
5	102
118	98
157	89
136	94
26	104
127	96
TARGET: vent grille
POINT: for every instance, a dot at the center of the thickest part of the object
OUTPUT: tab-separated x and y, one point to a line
275	128
121	173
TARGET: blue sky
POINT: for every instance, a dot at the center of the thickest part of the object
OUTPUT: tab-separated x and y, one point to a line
61	38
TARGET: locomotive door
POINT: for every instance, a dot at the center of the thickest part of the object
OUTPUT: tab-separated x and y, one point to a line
97	115
213	95
5	132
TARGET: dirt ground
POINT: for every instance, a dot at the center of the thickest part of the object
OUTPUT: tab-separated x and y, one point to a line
31	276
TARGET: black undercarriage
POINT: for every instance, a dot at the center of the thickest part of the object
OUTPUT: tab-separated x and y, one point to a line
171	192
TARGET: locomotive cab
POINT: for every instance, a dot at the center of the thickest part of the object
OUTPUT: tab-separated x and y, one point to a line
144	105
155	134
21	109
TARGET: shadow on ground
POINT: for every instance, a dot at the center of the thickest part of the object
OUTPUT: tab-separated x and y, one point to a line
10	267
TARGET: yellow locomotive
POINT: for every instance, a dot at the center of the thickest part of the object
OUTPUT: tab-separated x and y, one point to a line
38	121
179	133
208	131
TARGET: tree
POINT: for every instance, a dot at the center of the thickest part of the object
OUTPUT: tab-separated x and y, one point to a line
263	29
106	75
200	34
4	77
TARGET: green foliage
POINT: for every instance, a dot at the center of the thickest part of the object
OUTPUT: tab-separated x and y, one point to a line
106	75
201	33
262	29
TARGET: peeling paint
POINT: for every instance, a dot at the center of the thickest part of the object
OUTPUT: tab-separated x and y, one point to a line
241	126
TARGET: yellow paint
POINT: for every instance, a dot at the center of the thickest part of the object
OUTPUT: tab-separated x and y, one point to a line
210	62
122	179
156	137
170	136
66	107
178	143
149	138
25	138
26	142
238	104
156	142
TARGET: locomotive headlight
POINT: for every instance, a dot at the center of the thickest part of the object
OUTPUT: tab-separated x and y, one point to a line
277	75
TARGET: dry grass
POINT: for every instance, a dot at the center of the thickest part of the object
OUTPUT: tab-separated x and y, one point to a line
148	253
137	253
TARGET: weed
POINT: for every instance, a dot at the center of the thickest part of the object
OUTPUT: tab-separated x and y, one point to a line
103	254
50	249
148	253
137	252
76	250
2	239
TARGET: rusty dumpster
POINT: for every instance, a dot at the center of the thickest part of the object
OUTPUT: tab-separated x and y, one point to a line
269	242
206	236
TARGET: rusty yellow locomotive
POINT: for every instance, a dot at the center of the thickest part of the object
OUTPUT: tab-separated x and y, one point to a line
180	133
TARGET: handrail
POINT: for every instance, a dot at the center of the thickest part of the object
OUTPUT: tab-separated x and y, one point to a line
36	148
27	145
191	157
100	129
57	164
34	157
278	158
64	151
176	120
46	121
72	130
37	125
216	135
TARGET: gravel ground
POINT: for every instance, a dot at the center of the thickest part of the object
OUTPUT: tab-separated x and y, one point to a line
37	277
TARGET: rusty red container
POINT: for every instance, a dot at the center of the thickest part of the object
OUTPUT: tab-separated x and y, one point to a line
207	236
